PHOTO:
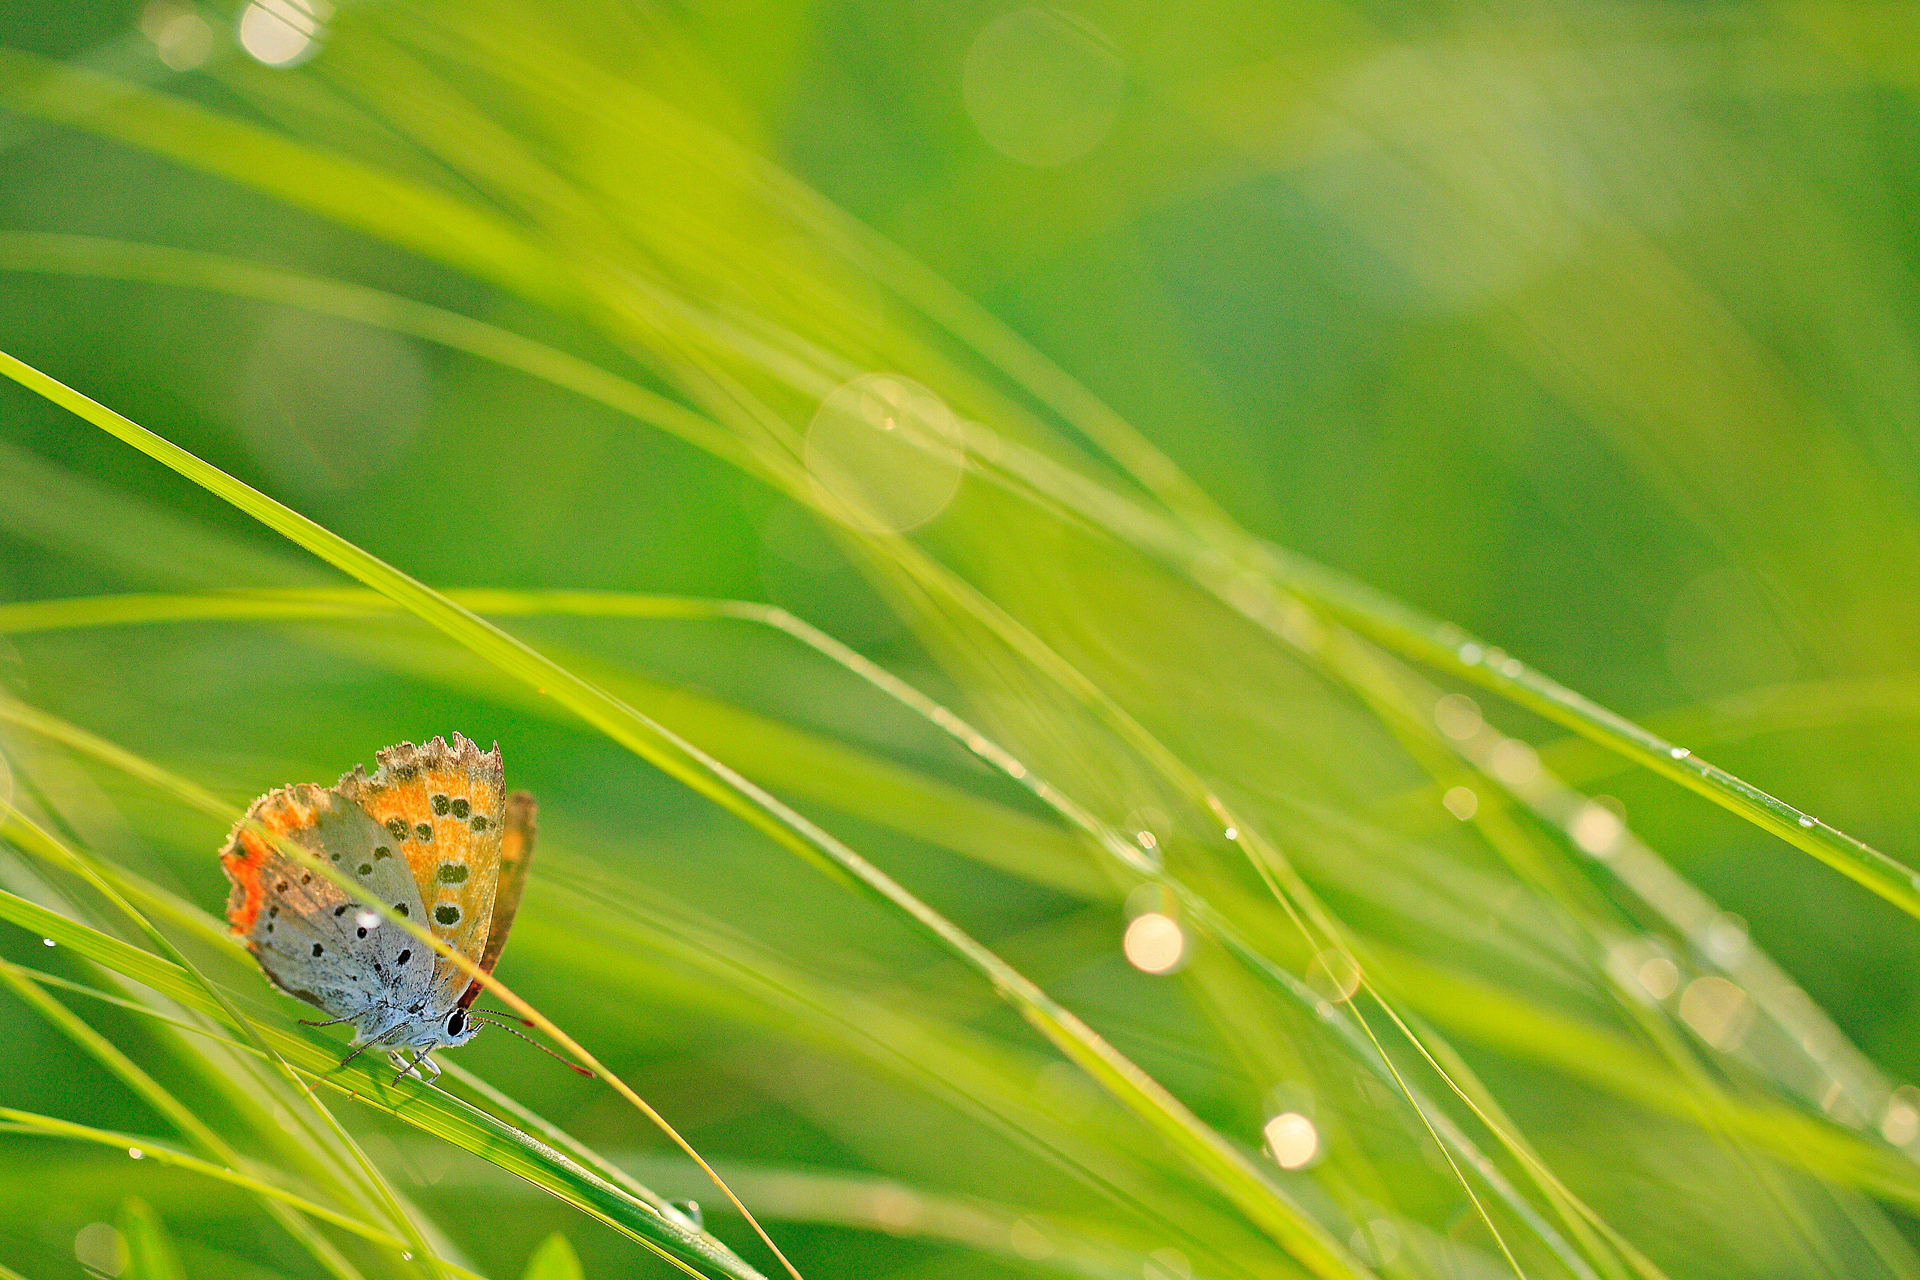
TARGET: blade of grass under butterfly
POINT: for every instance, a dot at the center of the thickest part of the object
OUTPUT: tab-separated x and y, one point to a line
214	934
1226	1165
432	1111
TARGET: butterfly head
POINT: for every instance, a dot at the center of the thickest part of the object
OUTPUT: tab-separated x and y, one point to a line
456	1029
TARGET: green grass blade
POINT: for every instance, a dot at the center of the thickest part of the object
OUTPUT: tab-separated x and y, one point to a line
150	1253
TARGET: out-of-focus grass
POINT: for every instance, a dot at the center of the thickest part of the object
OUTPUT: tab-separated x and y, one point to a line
752	527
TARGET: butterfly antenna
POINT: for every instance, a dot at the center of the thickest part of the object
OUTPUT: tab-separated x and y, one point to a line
505	1013
495	1022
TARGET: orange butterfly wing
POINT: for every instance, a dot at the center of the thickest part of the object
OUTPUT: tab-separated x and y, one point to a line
445	808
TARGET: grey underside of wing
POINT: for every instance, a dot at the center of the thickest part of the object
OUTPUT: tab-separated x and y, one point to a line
353	972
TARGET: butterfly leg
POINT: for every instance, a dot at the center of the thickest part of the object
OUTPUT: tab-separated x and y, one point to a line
421	1062
331	1022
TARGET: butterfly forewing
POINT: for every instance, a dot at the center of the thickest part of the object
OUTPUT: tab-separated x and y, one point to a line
443	809
313	939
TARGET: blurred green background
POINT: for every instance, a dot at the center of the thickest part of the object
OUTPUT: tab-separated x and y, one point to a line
1589	328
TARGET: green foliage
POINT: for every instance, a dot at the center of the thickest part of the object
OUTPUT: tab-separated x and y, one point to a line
554	1260
1008	820
150	1255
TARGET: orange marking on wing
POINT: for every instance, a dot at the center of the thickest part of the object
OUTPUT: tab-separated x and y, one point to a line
280	813
466	782
242	861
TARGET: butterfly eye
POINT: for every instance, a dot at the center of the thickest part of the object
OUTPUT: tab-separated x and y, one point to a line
456	1022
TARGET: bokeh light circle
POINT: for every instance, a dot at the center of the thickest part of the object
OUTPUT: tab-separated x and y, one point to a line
1154	943
282	33
1043	86
885	453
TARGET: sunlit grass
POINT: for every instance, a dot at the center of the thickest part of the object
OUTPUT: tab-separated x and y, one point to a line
1419	1002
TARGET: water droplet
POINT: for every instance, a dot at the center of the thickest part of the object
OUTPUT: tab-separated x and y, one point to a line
48	941
1680	753
1805	821
1596	829
1717	1010
1660	976
1232	833
690	1210
136	1153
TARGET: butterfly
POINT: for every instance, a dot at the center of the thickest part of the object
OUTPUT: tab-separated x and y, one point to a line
431	836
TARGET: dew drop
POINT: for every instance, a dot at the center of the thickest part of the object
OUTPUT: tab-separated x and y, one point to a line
1805	821
1680	753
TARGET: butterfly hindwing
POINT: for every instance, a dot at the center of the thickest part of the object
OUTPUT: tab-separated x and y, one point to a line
314	940
443	807
516	860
